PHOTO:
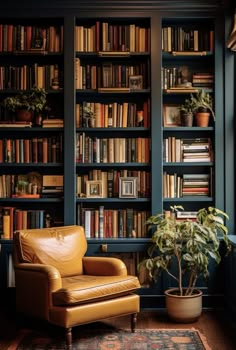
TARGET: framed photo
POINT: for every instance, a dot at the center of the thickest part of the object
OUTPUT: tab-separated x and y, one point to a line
94	189
171	115
135	82
128	187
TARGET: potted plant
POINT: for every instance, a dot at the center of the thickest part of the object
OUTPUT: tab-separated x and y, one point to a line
202	103
183	249
26	103
186	113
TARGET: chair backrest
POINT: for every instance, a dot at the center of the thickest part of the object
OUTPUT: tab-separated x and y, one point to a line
62	247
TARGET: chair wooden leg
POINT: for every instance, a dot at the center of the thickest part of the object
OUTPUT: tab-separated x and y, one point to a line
133	322
69	338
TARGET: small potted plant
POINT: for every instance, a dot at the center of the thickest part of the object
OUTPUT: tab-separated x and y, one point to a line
183	249
186	113
202	103
26	103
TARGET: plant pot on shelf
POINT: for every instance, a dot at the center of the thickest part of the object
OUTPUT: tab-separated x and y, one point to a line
186	118
183	308
24	115
202	117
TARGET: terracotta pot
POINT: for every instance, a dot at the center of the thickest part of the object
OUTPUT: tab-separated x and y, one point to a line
187	119
24	115
202	119
184	309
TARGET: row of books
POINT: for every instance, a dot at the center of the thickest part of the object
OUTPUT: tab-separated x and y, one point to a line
12	219
179	38
113	223
177	186
104	36
34	150
187	150
17	37
110	182
110	75
112	150
171	77
115	114
24	77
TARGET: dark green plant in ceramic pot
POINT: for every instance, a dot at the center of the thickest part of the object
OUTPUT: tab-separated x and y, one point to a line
31	101
186	113
183	249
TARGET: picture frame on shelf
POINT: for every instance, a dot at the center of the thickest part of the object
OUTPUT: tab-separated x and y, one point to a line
94	189
128	187
135	82
171	115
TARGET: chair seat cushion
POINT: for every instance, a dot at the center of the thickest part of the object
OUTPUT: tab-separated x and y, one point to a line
87	289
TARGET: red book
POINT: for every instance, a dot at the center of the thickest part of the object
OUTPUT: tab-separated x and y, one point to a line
0	37
10	38
28	37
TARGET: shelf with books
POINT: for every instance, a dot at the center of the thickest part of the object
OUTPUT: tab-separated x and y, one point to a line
112	81
32	55
187	66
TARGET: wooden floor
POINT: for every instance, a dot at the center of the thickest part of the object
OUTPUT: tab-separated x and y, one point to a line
214	325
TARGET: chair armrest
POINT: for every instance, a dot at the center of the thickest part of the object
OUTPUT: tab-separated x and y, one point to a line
33	272
104	266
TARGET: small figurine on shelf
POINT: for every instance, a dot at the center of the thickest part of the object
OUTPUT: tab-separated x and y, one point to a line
87	117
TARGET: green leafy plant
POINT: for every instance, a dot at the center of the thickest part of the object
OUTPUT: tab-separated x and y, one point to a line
202	100
187	106
30	100
186	244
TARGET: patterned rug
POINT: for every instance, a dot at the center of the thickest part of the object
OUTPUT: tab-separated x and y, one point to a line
111	339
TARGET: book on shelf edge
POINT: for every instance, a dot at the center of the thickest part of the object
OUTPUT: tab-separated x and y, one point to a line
15	124
114	53
180	90
189	53
114	89
25	195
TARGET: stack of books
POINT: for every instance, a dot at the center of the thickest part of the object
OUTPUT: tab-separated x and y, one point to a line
52	186
53	123
197	150
196	185
15	124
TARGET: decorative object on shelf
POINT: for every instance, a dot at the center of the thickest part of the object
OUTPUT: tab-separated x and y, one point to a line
186	113
202	103
128	187
28	185
88	116
188	244
171	115
231	42
135	82
94	189
26	104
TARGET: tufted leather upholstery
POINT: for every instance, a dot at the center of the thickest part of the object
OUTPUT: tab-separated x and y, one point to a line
57	283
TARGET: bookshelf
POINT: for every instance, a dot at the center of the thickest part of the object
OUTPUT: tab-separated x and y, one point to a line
112	80
128	113
31	54
189	162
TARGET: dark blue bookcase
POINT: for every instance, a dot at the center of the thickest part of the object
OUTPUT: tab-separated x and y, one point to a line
156	15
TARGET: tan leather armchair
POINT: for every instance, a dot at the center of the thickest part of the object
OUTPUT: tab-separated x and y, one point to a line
57	283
